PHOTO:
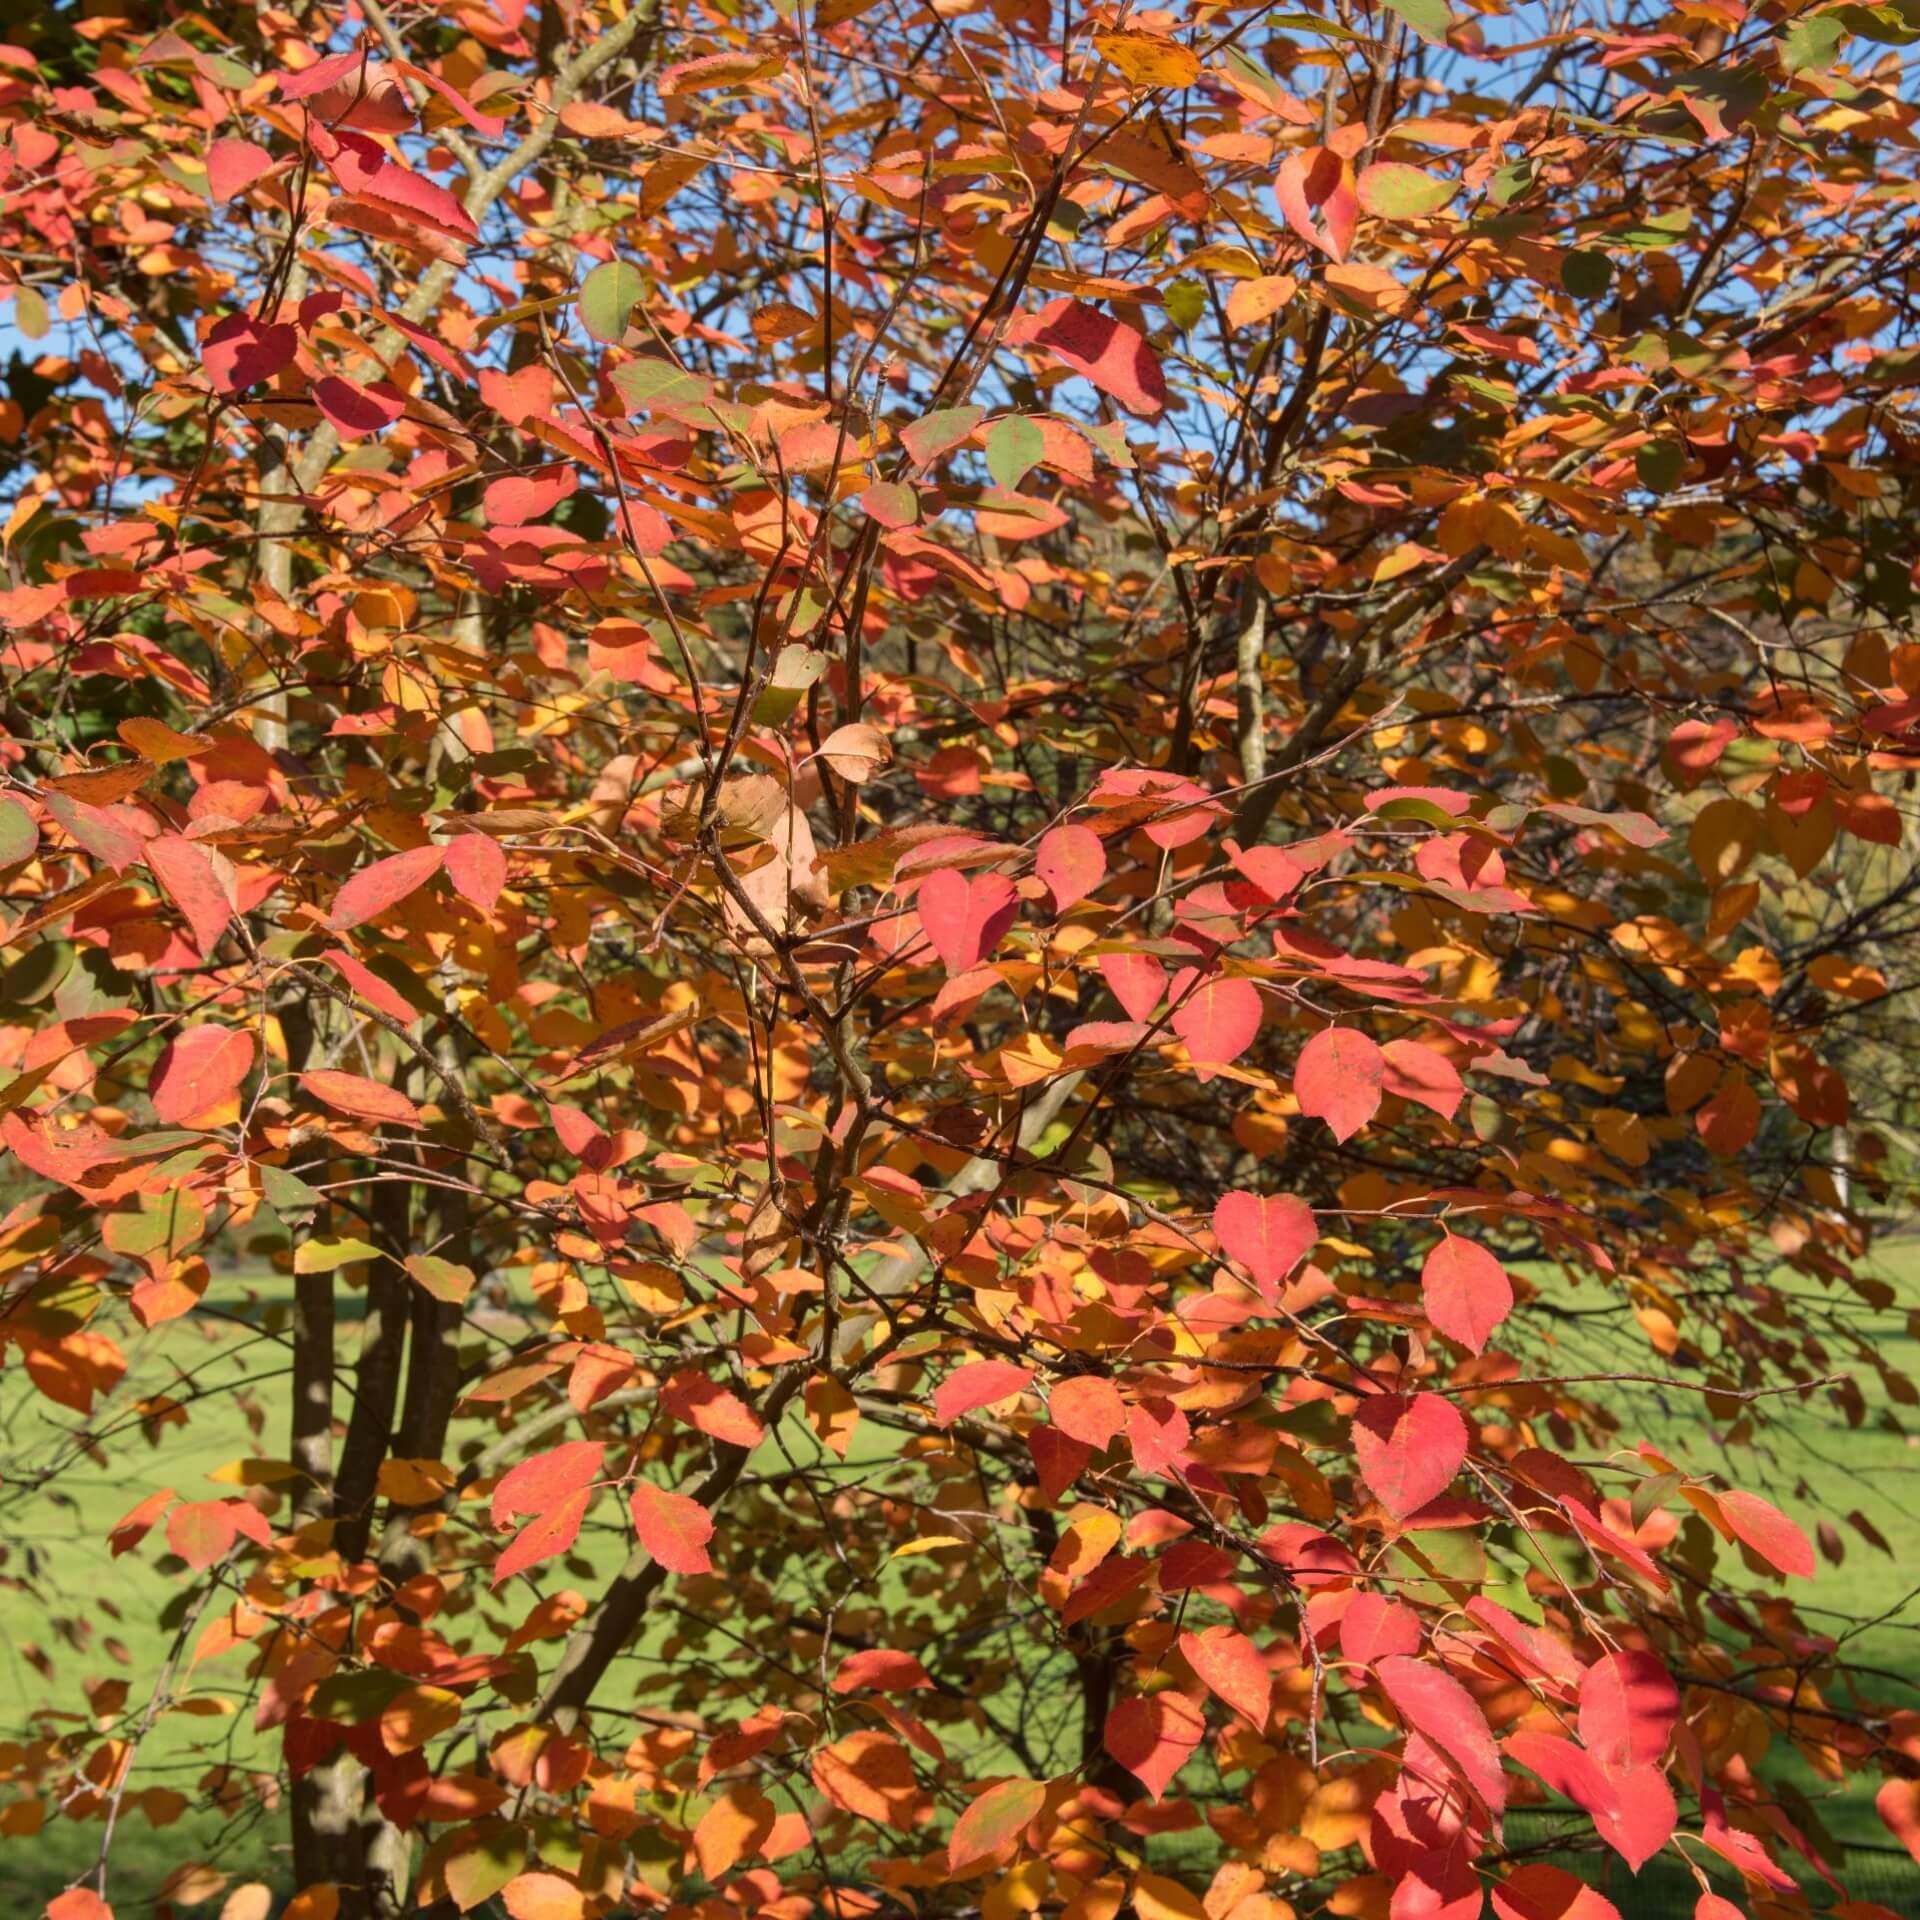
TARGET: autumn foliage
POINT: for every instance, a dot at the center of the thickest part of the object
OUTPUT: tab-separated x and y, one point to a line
979	866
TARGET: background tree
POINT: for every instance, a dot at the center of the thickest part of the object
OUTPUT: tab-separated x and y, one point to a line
1044	868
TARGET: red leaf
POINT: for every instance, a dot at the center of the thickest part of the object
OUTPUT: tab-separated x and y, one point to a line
189	879
1419	1074
546	1478
111	834
674	1529
580	1136
233	166
523	497
132	1527
1338	1078
1137	981
1542	1892
1058	1459
1467	1291
1159	1435
1436	1706
551	1532
1633	1811
240	352
1639	1815
1628	1709
1317	178
199	1070
1089	1408
201	1531
356	411
990	1827
364	1099
1153	1736
491	125
1267	1233
1113	355
1537	1648
1218	1022
1759	1524
367	174
1072	861
369	986
882	1668
1231	1666
978	1384
1409	1448
78	1903
1898	1805
378	888
965	918
1374	1627
477	866
318	77
700	1402
1713	1906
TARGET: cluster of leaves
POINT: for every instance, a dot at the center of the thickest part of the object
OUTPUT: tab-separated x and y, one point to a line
1049	835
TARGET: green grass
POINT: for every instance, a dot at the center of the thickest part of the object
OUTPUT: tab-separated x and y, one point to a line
94	1617
68	1602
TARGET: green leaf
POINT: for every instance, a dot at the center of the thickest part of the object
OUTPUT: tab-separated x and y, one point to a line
357	1696
659	383
480	1859
1110	437
1015	446
1586	273
991	1825
1399	192
1812	42
1509	183
1411	807
793	673
1308	23
1651	1495
36	974
155	1222
1186	302
608	297
18	834
926	440
1884	26
326	1256
235	75
1660	463
1663	230
1430	19
30	313
1637	829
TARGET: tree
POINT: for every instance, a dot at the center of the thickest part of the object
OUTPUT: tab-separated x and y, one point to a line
1015	850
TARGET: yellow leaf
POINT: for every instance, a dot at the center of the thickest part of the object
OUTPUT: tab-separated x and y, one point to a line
254	1473
930	1543
1148	59
414	1483
736	1825
1155	1897
412	1718
1255	300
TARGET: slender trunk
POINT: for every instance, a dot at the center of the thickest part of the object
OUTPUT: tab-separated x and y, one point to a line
376	1390
310	1447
